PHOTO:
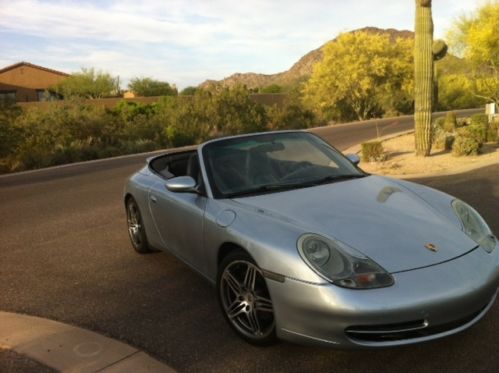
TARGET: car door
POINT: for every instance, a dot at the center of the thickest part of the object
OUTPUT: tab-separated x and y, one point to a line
179	219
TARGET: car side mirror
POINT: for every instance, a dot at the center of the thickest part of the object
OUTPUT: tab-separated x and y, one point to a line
354	158
181	184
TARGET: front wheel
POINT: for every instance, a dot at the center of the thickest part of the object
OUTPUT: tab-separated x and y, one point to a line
245	299
136	230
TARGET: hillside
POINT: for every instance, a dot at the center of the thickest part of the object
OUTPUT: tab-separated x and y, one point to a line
301	70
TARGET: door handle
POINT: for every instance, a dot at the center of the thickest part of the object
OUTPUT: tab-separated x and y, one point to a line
153	199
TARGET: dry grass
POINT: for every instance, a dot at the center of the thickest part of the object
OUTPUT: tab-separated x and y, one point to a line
401	160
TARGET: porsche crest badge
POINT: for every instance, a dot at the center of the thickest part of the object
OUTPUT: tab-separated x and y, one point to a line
431	247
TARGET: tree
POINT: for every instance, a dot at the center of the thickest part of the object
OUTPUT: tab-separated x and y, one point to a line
358	76
189	91
456	92
475	37
273	88
150	87
88	84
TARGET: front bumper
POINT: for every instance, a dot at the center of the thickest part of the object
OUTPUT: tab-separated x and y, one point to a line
422	305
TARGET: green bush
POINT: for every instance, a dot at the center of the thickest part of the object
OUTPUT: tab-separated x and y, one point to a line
493	131
450	122
466	142
439	123
372	151
71	131
478	132
481	124
273	88
442	140
10	136
291	116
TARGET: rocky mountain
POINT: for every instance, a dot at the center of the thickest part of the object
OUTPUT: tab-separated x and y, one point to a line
300	71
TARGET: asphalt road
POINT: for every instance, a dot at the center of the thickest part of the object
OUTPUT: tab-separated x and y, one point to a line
65	255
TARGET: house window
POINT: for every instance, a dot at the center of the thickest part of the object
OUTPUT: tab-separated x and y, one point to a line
7	96
45	95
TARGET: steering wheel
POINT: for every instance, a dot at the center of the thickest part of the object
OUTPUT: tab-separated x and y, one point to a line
301	167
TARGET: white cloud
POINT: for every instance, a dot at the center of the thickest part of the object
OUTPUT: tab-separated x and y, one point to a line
188	41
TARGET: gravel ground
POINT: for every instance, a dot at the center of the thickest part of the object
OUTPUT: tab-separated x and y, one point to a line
402	161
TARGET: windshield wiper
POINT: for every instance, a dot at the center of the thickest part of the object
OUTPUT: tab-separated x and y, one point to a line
334	178
288	186
263	189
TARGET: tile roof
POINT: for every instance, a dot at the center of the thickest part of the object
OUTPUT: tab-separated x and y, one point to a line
23	63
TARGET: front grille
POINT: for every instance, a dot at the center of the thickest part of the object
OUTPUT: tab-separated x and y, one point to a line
403	331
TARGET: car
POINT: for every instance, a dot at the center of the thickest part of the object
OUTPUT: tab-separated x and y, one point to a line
303	246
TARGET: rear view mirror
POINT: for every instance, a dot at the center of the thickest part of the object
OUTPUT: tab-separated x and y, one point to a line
354	158
181	184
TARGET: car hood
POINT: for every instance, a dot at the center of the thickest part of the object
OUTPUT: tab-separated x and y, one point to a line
374	215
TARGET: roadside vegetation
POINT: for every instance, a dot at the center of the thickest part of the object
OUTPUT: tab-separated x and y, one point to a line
71	130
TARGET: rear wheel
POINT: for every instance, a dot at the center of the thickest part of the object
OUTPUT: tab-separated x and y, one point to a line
136	230
245	299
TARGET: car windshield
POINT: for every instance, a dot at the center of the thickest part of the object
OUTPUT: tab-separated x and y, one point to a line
265	163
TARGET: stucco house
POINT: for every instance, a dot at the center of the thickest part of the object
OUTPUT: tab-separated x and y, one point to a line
25	82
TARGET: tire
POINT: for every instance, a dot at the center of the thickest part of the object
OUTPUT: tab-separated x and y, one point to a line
245	300
136	230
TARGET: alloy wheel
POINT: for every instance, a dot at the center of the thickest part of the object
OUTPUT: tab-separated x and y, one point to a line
246	300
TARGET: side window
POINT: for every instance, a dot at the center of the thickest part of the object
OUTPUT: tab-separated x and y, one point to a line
180	164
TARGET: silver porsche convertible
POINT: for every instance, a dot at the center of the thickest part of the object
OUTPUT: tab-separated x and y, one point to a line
304	246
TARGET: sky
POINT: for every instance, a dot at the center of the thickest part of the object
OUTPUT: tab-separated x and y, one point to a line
186	42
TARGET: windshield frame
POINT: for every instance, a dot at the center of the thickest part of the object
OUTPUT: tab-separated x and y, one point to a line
216	193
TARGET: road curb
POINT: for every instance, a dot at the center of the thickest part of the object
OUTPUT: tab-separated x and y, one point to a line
71	349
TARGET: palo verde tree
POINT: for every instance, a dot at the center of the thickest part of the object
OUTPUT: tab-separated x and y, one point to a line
425	52
476	38
360	76
150	87
88	84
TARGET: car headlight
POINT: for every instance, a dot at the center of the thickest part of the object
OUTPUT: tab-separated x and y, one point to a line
474	226
341	265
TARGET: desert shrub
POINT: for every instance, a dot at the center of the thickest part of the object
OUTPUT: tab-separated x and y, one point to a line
10	136
450	122
481	123
372	151
65	132
291	116
184	122
439	123
71	130
477	132
273	88
466	142
236	112
442	140
493	131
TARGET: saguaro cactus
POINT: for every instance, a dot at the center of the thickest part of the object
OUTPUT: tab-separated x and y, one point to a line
439	51
423	77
